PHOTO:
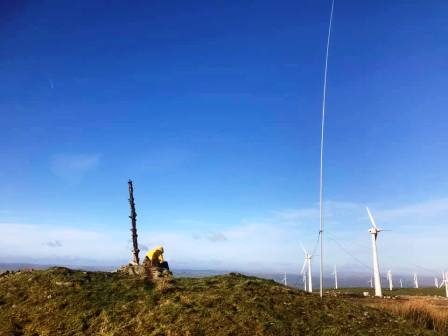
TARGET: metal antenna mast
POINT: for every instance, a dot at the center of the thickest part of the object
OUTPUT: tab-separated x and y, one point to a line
321	193
133	218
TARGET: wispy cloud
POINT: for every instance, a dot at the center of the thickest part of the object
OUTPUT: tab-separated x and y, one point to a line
73	167
26	240
217	237
334	212
432	212
53	243
297	215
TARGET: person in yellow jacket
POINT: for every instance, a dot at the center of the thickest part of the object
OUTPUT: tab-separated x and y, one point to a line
155	257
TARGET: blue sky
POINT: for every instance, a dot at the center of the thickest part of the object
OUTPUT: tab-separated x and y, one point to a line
213	109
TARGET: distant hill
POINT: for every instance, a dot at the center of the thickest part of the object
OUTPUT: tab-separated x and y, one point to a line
60	301
293	279
19	266
346	279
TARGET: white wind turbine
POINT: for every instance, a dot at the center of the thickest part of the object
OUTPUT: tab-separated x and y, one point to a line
335	273
415	280
436	282
445	282
370	282
376	269
285	280
401	283
307	264
389	278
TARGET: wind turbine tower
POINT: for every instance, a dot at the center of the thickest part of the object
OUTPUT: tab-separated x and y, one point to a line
307	264
285	280
445	282
335	273
401	283
374	230
389	278
415	280
304	281
436	282
370	282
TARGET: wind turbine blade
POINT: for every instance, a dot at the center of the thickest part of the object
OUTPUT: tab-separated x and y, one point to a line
304	251
371	218
303	267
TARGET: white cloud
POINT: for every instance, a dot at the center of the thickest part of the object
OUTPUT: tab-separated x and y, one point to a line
33	241
416	240
53	243
297	215
334	212
271	244
73	167
261	245
217	237
427	213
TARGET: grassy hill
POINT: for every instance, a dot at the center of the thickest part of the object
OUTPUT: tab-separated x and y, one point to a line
60	301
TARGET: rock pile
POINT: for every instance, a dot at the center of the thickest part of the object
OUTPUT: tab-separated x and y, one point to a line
146	271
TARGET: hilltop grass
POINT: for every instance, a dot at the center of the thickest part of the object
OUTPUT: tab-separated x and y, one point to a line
64	302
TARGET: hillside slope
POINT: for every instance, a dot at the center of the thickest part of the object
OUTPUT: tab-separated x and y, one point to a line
60	301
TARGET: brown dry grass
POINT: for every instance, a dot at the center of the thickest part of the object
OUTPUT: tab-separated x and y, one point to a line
424	312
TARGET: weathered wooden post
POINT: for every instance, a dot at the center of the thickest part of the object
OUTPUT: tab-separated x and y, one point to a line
133	218
161	276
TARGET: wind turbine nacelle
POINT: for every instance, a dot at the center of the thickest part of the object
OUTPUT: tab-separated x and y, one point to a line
373	230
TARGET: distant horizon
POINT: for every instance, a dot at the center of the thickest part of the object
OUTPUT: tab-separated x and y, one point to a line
351	270
345	279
